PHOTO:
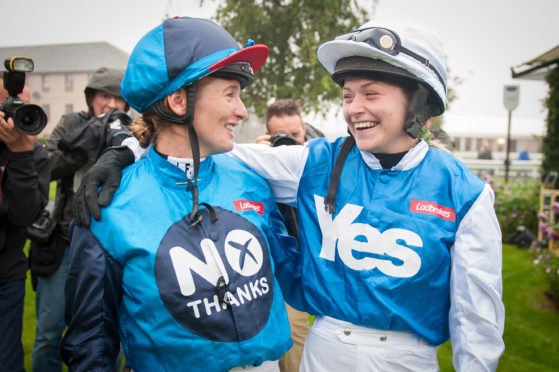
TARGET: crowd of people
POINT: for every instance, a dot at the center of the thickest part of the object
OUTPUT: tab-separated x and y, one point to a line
207	255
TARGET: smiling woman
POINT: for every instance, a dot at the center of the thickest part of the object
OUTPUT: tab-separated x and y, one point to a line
392	229
185	245
376	112
218	111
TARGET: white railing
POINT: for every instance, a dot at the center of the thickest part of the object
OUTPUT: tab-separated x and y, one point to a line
497	155
518	169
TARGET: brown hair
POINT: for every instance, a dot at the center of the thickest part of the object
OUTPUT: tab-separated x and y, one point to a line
282	107
428	137
146	127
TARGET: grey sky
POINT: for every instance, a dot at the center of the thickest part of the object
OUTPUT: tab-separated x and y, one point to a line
482	38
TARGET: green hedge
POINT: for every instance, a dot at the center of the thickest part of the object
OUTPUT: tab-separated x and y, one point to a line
550	145
516	204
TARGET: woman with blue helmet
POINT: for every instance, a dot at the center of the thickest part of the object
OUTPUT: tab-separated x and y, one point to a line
179	269
400	248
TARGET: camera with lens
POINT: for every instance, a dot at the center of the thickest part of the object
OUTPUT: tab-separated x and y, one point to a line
282	138
28	119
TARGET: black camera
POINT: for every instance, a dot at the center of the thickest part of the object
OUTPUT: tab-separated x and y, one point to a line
282	138
28	119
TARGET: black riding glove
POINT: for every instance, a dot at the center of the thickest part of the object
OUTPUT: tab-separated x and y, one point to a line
104	175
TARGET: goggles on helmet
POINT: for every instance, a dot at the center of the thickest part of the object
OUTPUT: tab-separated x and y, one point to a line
388	42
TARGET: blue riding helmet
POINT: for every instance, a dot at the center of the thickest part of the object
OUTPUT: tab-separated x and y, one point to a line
181	51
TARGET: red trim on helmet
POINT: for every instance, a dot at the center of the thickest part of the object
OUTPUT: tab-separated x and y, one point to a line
255	55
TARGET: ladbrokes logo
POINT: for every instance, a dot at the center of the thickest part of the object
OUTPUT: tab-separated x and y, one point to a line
246	205
215	276
421	206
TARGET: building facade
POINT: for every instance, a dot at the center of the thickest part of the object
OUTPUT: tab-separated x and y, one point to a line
61	73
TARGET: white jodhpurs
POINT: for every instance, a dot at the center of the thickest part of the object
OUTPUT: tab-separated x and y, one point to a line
267	366
334	345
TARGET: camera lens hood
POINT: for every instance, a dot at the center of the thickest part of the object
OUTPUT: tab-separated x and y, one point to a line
282	138
30	119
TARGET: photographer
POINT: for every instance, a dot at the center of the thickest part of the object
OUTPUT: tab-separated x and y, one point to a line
24	185
285	126
102	94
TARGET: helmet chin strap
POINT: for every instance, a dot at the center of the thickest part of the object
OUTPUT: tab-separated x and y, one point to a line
195	218
187	119
419	111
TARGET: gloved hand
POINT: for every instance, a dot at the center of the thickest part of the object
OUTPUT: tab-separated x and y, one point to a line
105	175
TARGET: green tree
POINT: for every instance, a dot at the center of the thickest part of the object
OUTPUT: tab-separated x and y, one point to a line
293	30
550	148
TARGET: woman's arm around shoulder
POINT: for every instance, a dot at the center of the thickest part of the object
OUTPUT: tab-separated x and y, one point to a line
282	167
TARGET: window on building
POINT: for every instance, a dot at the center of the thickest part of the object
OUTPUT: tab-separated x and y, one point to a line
46	109
513	145
469	144
479	143
501	145
69	108
456	141
46	83
69	82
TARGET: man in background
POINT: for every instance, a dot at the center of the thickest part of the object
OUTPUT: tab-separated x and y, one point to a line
284	115
284	124
524	154
102	93
485	151
24	189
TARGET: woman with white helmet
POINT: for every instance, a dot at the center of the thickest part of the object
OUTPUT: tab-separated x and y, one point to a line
179	269
400	247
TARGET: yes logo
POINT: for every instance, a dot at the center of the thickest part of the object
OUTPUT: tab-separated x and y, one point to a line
388	251
216	275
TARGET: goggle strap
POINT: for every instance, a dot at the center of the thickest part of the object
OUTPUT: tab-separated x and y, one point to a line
399	48
424	61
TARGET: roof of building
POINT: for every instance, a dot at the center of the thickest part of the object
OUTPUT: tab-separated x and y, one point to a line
79	57
537	68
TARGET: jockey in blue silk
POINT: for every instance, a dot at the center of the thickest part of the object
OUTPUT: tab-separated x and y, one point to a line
400	247
179	269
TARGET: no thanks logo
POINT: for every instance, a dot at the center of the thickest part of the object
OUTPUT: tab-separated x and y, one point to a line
216	276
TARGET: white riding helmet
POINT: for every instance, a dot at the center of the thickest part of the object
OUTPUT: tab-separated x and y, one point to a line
392	49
